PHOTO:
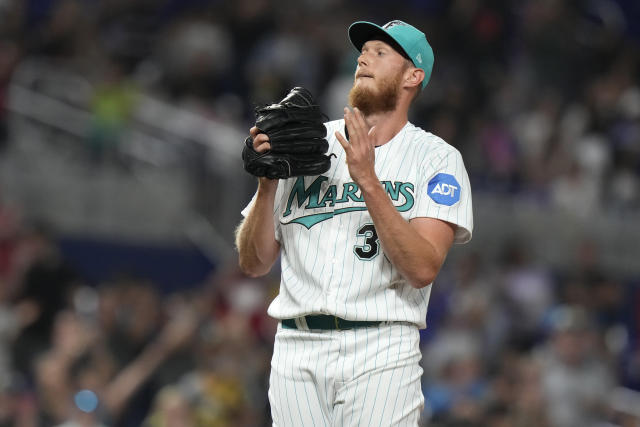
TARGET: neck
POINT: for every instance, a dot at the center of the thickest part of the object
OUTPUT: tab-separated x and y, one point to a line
387	125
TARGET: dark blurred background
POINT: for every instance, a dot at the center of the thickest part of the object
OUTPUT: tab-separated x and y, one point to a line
121	126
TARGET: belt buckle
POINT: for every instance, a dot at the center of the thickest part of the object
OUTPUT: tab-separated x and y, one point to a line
336	321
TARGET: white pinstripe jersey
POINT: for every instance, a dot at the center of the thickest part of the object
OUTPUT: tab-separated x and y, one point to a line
331	259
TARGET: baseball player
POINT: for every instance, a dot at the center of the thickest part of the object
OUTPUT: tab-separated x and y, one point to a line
360	246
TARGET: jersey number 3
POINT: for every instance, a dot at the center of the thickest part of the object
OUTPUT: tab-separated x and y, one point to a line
371	246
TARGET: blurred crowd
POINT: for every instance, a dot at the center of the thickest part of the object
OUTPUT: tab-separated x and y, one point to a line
520	344
541	97
513	343
120	352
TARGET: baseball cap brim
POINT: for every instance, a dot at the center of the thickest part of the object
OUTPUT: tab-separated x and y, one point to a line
361	32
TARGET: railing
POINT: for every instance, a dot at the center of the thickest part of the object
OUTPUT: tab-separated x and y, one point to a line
194	160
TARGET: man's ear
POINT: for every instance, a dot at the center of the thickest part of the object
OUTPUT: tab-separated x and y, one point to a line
414	77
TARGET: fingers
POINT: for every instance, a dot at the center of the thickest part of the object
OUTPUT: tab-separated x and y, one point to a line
342	140
357	126
260	140
351	127
359	121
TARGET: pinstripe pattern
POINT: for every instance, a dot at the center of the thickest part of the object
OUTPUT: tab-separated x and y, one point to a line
368	376
359	377
321	273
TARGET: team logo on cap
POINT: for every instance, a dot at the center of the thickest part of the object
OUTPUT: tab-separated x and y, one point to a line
444	189
394	23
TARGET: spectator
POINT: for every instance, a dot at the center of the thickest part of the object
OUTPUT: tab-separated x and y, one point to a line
45	289
576	380
112	106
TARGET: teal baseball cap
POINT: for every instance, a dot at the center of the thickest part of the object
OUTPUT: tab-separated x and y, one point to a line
411	41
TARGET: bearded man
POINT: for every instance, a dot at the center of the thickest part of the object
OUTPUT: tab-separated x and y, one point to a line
360	246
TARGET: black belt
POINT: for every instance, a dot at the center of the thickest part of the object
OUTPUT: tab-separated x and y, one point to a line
322	321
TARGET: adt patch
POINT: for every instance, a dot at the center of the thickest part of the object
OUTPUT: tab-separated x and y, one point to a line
444	189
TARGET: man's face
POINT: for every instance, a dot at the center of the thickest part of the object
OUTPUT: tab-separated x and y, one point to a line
378	78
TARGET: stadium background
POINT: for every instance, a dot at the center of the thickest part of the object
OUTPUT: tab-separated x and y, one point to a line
121	123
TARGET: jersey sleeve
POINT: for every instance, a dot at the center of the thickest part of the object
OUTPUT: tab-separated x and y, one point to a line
444	192
276	206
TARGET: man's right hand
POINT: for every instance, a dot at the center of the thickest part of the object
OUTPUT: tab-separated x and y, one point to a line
261	144
260	140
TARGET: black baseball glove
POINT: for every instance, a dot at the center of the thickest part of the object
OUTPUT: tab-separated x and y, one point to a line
296	131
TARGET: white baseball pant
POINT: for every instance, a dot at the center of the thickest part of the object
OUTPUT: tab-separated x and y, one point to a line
367	376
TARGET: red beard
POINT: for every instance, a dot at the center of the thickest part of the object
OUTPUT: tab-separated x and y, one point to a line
381	99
